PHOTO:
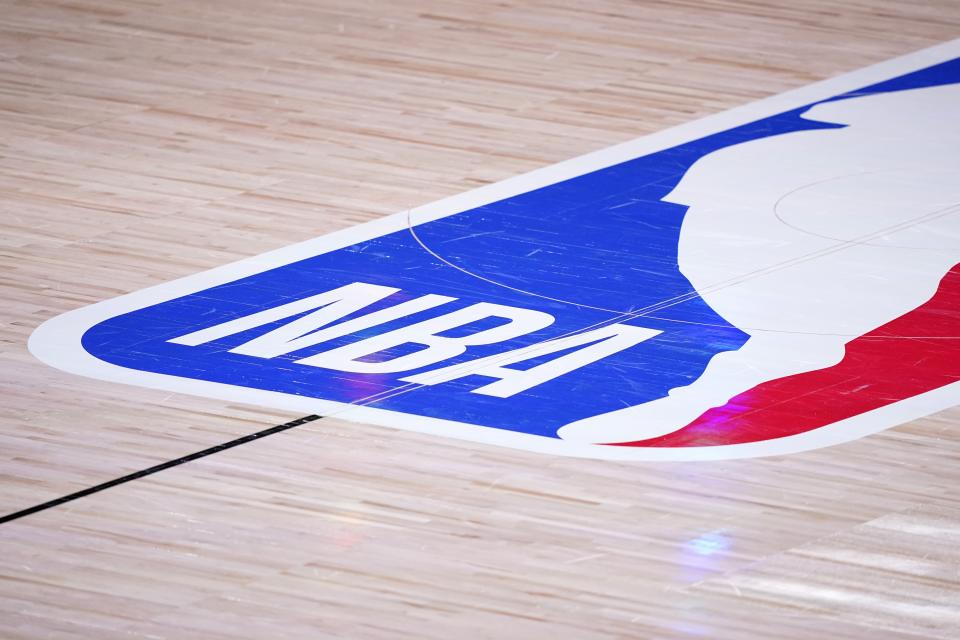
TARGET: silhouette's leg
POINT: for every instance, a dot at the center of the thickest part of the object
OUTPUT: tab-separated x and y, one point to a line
762	358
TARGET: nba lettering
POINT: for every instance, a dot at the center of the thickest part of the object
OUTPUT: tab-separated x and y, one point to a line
777	278
304	332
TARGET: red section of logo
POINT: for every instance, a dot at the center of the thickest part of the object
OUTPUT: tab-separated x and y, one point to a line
915	353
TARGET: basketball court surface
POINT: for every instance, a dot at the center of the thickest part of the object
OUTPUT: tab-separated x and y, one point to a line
620	320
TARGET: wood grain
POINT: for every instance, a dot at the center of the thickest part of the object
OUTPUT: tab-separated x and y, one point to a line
144	141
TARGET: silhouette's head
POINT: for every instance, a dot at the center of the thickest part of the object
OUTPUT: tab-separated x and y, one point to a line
924	111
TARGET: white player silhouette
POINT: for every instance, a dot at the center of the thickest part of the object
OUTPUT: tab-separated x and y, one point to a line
807	240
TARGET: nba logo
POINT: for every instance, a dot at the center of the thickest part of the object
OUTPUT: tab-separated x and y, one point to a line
773	279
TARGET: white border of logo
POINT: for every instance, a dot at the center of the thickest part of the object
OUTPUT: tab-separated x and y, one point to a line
57	342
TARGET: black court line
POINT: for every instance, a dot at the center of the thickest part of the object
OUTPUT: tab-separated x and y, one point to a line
136	475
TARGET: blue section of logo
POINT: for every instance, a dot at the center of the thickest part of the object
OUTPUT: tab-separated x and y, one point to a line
586	250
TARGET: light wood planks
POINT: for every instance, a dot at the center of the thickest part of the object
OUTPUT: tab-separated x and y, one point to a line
144	141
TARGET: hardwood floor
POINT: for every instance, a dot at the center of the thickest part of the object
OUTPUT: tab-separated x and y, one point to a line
145	141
